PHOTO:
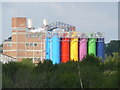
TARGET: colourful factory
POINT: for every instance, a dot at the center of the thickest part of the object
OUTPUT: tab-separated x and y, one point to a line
57	41
72	46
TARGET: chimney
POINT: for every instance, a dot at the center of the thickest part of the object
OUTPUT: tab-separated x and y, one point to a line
19	22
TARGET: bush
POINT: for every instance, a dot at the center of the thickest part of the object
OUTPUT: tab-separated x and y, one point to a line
93	73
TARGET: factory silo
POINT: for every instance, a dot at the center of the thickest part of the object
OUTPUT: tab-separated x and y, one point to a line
55	49
100	48
47	48
92	46
74	49
82	48
65	49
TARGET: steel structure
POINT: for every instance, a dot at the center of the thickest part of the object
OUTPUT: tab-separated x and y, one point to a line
85	42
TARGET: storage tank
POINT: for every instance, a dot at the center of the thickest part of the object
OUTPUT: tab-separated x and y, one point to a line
65	50
45	22
29	23
82	48
74	49
92	46
55	50
100	48
47	48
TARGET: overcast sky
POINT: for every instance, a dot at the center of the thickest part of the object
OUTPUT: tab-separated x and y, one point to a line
86	16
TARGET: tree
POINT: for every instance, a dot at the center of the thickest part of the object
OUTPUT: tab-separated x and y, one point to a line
93	73
113	46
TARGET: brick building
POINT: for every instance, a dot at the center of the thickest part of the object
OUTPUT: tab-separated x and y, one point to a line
24	44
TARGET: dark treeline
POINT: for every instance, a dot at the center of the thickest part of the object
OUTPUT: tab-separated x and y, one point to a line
93	74
112	46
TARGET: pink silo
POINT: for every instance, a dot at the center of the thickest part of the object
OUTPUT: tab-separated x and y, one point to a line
82	48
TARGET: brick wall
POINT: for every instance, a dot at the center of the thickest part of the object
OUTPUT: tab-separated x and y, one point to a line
24	44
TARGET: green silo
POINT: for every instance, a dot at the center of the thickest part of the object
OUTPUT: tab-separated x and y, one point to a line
92	46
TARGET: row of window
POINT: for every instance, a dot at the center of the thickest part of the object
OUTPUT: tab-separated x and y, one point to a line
27	44
34	36
31	44
38	59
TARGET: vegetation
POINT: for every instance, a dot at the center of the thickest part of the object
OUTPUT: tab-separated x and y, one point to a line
93	73
113	46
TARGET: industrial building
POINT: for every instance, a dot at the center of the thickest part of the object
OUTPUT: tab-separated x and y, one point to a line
23	43
57	41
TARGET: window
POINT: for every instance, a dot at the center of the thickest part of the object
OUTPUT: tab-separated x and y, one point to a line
31	35
39	36
27	44
31	44
27	35
35	44
35	35
9	45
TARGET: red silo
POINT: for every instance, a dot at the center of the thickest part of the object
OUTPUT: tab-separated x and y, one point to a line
65	49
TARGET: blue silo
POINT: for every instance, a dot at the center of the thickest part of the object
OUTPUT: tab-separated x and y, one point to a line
100	48
55	50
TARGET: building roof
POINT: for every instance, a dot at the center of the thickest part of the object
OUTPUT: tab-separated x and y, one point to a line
9	39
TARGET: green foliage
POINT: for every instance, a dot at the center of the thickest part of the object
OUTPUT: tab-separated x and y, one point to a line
110	79
6	81
93	73
111	70
113	46
111	63
91	60
45	66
